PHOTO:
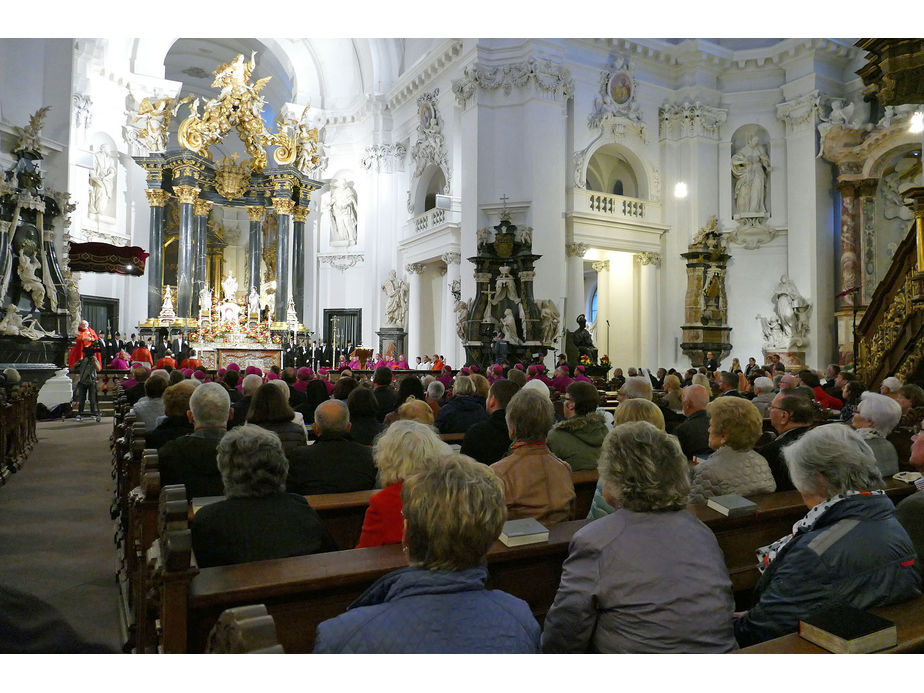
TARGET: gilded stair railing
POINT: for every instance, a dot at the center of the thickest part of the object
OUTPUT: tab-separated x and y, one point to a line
891	333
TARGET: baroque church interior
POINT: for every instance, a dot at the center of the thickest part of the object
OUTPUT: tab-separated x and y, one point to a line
745	197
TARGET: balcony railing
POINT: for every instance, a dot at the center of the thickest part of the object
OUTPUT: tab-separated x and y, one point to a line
610	205
429	220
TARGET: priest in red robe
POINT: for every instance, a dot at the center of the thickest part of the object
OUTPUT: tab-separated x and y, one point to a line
86	335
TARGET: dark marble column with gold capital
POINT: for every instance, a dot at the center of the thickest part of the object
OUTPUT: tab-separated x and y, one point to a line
255	248
202	209
186	194
284	207
155	263
298	259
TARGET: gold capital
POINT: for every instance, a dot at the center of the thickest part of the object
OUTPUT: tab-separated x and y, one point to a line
301	214
156	198
256	213
283	205
186	194
202	208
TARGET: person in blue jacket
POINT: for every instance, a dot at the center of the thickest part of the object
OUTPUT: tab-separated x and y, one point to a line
438	604
849	549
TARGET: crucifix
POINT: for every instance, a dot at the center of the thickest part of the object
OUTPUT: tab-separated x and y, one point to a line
505	214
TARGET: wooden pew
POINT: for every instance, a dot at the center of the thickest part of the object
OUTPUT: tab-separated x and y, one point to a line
739	537
300	592
342	514
909	621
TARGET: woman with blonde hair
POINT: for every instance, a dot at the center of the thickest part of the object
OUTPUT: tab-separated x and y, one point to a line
405	448
672	389
629	411
735	425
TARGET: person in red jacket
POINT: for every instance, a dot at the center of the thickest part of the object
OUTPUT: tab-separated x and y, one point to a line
407	447
810	379
86	335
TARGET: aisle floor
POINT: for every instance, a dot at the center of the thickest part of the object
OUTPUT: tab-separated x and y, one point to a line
56	537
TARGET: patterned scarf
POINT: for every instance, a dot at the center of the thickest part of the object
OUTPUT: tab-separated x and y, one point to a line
767	554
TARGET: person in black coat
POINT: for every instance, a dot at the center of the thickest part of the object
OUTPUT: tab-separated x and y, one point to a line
258	520
384	395
364	427
176	409
190	460
489	440
792	417
133	394
249	386
464	410
693	433
315	394
711	363
335	463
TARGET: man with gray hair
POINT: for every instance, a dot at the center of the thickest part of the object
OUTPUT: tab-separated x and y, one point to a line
435	392
763	395
190	459
792	417
636	387
693	433
249	386
335	463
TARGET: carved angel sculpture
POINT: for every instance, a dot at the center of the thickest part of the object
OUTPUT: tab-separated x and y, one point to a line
31	283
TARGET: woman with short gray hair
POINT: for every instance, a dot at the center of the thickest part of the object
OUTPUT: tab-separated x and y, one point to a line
538	484
599	609
454	511
848	549
257	520
874	419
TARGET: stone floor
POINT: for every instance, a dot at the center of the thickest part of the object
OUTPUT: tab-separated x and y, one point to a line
56	537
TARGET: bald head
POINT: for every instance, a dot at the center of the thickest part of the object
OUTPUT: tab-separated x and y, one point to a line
695	398
331	418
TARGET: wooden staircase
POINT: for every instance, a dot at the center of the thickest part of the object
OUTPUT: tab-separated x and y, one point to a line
891	333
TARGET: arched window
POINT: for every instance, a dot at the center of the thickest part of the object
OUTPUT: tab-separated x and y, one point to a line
593	308
617	187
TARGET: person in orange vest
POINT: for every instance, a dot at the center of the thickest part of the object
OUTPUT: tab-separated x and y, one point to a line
142	354
167	360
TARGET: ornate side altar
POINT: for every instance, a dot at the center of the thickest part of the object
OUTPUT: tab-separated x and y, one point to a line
503	301
279	195
41	303
226	336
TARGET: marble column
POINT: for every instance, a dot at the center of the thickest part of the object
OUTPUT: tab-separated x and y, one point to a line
602	268
284	207
187	195
576	300
202	209
255	247
298	259
413	311
866	230
155	263
649	307
850	246
451	282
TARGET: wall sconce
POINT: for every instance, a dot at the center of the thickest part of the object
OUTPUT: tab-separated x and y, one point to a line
680	190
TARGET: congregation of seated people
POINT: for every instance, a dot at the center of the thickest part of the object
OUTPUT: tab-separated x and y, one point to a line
660	441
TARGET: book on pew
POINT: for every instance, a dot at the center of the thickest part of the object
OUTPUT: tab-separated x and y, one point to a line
907	477
732	505
847	630
525	531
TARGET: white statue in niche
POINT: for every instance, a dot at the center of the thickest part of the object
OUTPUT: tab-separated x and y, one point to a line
342	213
551	319
461	309
32	284
750	166
229	286
205	300
396	305
101	180
166	308
504	286
509	327
788	327
253	301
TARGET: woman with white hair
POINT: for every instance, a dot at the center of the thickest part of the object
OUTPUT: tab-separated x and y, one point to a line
848	549
405	448
649	577
890	387
874	419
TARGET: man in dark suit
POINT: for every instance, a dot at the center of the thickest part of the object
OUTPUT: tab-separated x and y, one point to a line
792	417
500	348
728	385
712	363
315	355
327	354
191	459
179	346
489	440
335	463
693	433
385	397
249	385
